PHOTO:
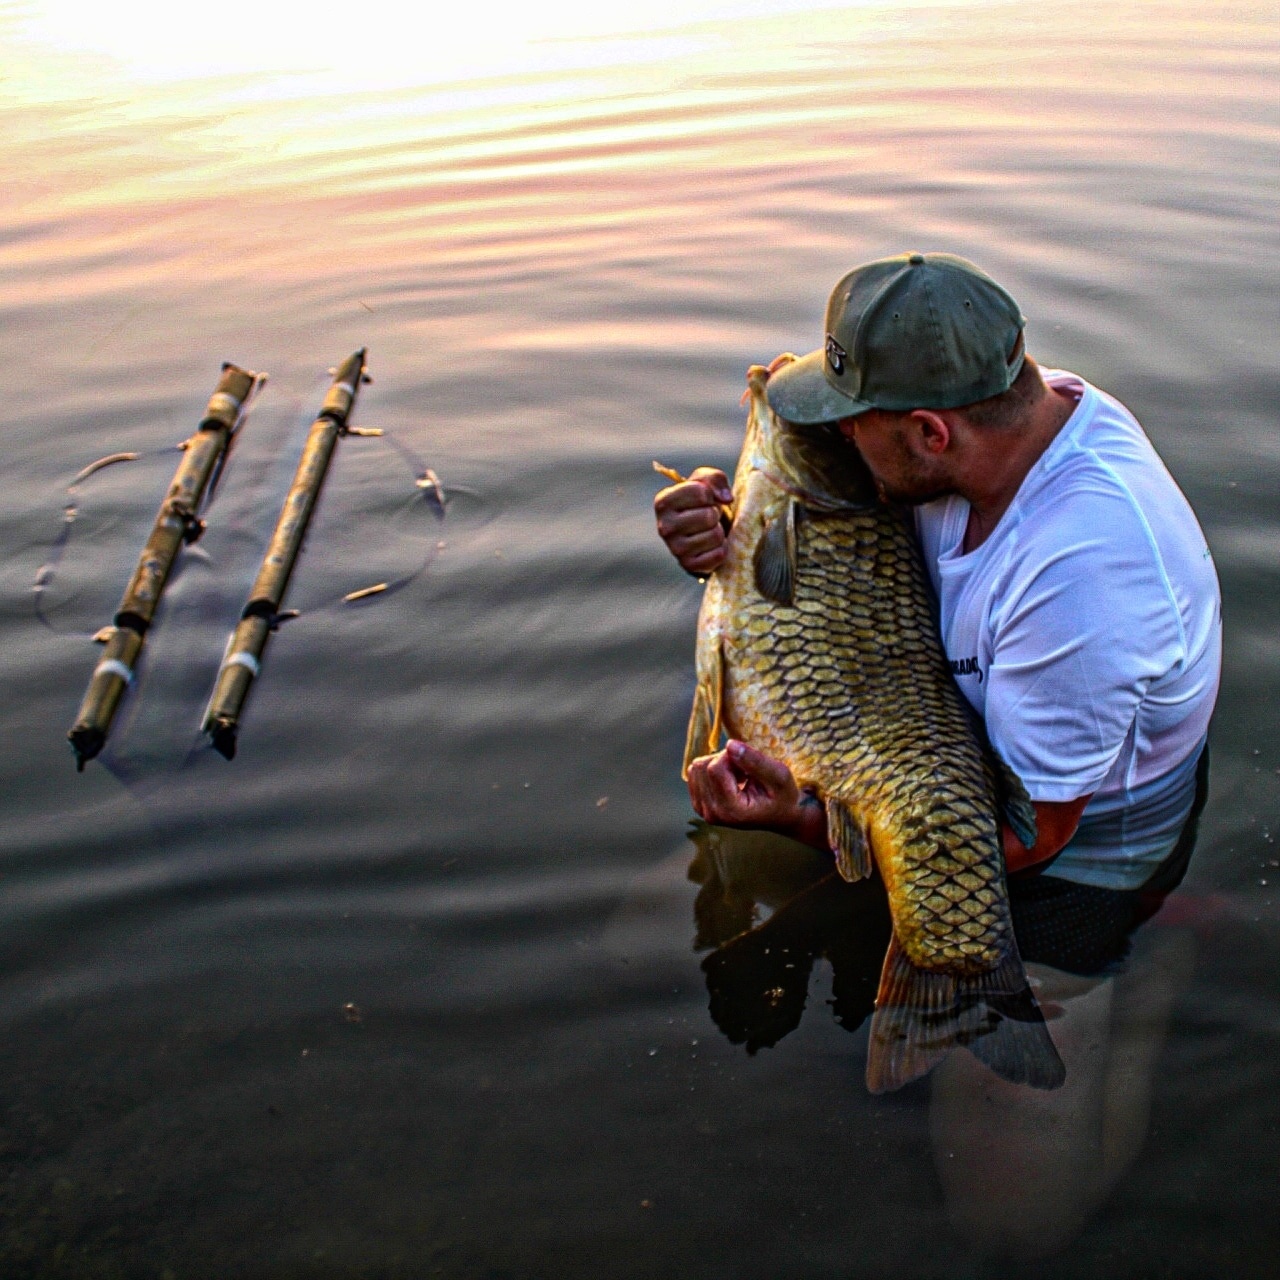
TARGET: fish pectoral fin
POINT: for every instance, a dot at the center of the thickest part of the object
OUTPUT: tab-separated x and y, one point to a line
775	558
850	840
921	1015
703	736
1015	803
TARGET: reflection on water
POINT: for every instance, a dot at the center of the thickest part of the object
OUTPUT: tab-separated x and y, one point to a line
1022	1172
1021	1169
455	805
758	976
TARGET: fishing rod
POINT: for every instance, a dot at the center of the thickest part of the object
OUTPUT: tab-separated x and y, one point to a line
243	658
177	522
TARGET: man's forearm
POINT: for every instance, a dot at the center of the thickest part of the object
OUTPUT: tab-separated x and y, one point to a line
810	826
1056	823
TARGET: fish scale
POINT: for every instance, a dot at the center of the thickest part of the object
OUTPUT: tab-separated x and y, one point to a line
940	766
818	645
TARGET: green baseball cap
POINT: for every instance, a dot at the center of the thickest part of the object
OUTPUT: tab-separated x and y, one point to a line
916	331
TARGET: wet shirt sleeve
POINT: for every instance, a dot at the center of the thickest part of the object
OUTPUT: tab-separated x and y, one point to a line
1076	646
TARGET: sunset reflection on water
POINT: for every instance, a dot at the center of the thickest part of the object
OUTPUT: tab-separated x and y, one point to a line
457	806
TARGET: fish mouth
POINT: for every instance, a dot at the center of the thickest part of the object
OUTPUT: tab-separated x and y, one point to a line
814	463
827	475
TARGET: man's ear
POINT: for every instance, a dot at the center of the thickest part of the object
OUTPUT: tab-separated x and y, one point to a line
929	430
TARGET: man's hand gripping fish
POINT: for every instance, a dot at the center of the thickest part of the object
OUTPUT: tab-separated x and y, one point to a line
818	644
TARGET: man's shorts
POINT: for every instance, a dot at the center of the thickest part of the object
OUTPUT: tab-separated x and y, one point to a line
1086	930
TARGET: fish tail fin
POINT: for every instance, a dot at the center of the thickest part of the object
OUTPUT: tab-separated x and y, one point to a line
921	1015
703	736
1017	1046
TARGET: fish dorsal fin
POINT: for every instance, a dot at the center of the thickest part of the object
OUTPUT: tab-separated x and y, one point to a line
849	840
703	735
775	558
1015	803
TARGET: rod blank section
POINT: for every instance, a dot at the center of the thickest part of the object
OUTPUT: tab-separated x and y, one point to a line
176	522
243	658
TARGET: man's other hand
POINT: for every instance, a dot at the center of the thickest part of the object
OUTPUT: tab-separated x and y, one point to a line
689	521
743	787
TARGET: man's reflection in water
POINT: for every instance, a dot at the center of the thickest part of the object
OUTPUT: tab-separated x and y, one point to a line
1021	1169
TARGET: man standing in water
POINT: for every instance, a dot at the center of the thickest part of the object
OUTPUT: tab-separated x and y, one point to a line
1078	603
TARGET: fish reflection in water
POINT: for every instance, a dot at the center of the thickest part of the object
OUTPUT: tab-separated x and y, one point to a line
1021	1169
758	977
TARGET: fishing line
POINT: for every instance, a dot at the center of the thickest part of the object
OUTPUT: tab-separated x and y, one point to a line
135	759
429	493
132	761
47	572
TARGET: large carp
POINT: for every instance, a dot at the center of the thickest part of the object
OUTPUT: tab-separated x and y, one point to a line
818	644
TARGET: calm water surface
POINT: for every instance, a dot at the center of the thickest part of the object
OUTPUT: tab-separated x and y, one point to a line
456	806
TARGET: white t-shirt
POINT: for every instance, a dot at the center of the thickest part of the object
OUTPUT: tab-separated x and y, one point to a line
1087	629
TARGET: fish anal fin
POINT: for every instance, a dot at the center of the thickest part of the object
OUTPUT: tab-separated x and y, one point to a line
921	1015
1019	812
703	736
1015	804
849	840
775	558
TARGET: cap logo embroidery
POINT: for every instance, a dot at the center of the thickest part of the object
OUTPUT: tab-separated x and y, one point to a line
836	355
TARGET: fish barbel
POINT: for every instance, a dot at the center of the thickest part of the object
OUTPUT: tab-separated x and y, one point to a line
818	644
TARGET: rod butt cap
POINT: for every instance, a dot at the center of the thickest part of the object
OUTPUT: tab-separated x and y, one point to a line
86	741
222	737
